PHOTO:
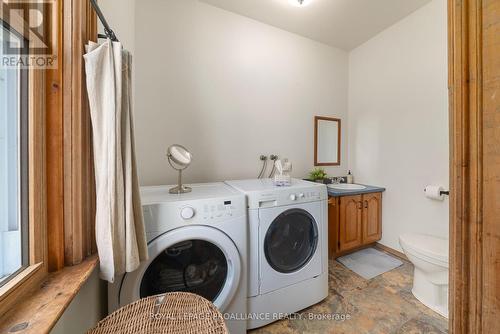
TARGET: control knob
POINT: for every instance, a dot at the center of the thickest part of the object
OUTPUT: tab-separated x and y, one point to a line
187	213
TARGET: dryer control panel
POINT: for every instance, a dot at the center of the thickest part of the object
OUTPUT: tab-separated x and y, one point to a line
262	193
283	198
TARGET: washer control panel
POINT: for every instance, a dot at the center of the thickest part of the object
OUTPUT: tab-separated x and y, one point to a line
213	211
165	216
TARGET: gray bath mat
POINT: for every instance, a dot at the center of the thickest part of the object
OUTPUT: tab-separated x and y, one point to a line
369	263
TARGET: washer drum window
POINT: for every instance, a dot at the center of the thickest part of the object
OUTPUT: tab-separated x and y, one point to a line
195	266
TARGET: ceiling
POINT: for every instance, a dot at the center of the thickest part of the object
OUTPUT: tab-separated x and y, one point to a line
344	24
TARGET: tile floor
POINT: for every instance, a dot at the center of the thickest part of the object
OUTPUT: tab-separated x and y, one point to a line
382	305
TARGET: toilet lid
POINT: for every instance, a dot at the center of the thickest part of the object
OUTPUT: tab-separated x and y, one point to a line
433	247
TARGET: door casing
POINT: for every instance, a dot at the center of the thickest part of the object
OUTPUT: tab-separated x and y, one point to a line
474	88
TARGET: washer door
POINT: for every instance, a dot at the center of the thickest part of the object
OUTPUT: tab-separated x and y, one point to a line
196	259
291	241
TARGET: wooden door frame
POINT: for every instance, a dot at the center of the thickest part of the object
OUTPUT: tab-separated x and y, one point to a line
474	165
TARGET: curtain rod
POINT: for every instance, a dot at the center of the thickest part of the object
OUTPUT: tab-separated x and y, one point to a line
109	33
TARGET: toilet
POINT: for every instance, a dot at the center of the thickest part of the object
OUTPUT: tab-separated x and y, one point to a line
430	256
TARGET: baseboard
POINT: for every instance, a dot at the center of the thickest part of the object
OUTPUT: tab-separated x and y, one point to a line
391	251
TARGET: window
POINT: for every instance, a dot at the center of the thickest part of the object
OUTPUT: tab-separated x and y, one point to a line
23	243
13	161
46	180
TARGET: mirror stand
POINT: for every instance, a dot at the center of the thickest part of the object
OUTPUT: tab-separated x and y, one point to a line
180	188
179	158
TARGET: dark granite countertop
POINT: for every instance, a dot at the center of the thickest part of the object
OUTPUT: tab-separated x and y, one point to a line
369	189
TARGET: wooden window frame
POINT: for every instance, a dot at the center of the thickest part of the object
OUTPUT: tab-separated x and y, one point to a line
71	184
29	277
61	176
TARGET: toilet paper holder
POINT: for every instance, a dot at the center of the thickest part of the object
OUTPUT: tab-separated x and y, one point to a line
442	192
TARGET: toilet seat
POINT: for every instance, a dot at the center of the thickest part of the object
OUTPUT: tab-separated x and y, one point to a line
429	248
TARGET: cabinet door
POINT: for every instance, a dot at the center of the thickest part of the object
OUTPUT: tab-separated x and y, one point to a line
351	212
372	218
333	226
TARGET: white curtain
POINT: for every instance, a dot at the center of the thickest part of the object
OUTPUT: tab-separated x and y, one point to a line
120	236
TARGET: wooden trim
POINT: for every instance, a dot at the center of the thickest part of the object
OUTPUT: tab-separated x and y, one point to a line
21	286
79	26
71	180
90	191
392	251
490	155
71	189
339	148
474	79
465	168
25	274
55	161
37	181
39	313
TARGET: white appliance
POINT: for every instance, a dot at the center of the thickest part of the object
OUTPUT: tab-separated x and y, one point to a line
197	243
430	256
288	242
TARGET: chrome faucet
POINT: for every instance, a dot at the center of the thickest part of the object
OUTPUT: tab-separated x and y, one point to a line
336	180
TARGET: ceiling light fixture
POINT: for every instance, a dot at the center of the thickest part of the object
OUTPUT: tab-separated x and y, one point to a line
299	3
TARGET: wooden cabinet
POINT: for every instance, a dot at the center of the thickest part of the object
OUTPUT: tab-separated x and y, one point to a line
350	222
333	233
372	218
354	222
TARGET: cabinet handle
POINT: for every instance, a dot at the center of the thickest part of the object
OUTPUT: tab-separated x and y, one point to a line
360	206
366	204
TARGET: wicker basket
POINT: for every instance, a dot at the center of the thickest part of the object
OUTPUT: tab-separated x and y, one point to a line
172	313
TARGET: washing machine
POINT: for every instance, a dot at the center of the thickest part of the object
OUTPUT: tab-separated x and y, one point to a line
197	242
288	247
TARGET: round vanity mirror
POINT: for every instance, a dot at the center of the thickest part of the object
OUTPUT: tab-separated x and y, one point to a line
179	158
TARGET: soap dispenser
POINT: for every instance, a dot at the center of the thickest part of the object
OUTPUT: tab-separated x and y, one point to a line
350	178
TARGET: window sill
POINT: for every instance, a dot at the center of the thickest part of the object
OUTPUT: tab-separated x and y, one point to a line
39	312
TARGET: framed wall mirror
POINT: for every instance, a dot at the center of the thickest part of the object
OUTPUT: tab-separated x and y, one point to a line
327	141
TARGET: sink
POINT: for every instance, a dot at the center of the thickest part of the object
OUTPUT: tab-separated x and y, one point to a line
346	186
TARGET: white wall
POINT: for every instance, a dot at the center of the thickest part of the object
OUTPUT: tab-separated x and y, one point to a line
120	15
86	309
398	120
230	89
220	83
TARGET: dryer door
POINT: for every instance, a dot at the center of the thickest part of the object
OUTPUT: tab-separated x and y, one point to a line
196	259
291	245
291	240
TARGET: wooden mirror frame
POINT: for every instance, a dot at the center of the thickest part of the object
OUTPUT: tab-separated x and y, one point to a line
339	148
